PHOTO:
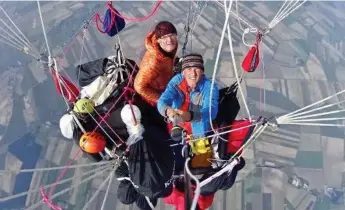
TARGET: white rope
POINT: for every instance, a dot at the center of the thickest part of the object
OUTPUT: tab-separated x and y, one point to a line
312	124
235	70
227	14
20	40
250	141
234	14
11	43
107	192
229	167
316	109
55	168
233	161
197	183
149	202
286	11
98	190
35	206
47	186
43	28
81	52
29	43
195	20
11	37
226	132
319	119
316	115
281	118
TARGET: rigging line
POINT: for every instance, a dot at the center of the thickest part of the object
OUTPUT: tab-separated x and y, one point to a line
313	124
15	34
12	39
316	109
43	28
10	19
310	105
107	192
237	13
16	47
99	189
315	115
227	15
60	81
195	21
235	70
234	14
47	186
272	24
81	53
279	11
318	119
36	205
250	141
287	11
187	29
226	132
55	168
197	183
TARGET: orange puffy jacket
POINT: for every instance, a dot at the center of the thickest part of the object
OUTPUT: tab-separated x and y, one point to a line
156	70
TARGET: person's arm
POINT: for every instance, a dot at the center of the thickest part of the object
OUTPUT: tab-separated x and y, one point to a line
143	81
168	96
204	114
201	119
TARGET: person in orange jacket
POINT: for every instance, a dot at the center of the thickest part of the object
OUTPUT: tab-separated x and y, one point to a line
156	67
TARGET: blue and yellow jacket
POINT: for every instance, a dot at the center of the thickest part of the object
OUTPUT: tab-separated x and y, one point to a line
178	96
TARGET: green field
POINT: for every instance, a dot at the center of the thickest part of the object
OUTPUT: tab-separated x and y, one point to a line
309	159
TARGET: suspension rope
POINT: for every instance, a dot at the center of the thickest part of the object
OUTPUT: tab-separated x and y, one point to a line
234	65
107	192
46	198
292	114
43	28
99	189
47	186
187	29
55	168
10	19
197	183
284	12
227	15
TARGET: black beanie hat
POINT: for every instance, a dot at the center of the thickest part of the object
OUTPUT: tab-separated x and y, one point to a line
192	60
163	28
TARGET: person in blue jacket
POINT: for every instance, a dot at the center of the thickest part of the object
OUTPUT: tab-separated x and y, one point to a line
187	97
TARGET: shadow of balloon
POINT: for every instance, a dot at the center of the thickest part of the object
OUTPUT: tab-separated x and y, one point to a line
272	98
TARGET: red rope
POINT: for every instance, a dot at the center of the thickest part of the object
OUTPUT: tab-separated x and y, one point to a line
129	101
155	8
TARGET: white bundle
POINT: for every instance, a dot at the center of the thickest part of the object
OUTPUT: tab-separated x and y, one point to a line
135	131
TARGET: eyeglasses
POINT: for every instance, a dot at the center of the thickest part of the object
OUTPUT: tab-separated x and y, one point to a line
171	36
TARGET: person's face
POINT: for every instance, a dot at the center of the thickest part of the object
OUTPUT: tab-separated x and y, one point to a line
193	75
168	42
